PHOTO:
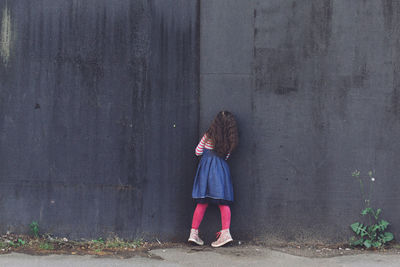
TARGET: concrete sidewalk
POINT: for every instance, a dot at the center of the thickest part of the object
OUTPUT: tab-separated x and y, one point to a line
249	256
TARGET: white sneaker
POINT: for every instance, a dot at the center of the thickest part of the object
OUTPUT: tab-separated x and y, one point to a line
223	237
194	237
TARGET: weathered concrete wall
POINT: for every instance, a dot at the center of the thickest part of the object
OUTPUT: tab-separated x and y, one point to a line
314	85
100	112
98	116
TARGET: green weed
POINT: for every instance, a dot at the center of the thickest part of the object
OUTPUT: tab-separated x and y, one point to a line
372	234
46	246
34	226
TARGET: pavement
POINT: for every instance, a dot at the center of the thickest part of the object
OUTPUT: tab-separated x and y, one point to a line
186	256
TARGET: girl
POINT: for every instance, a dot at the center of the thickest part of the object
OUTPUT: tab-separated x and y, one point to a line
212	183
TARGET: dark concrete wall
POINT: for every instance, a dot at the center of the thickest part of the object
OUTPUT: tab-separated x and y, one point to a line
98	116
315	87
100	113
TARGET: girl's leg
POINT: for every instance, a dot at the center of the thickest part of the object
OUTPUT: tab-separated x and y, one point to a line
224	236
225	216
198	215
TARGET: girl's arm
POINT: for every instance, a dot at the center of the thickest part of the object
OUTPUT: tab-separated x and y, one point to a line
200	146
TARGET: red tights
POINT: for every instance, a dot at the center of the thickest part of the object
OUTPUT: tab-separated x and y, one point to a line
201	209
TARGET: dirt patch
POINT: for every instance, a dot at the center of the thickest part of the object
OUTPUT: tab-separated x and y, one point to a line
119	248
114	247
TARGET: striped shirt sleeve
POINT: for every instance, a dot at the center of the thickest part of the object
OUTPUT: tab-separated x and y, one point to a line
205	142
200	146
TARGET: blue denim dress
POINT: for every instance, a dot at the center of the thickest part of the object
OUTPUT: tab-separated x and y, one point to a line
212	183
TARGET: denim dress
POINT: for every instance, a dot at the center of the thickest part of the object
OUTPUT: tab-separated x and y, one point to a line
212	183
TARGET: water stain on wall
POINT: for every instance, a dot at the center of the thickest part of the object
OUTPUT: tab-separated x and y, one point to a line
5	37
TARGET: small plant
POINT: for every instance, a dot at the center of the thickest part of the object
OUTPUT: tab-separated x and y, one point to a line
120	243
20	242
137	243
98	241
34	229
46	246
374	233
98	244
114	243
3	245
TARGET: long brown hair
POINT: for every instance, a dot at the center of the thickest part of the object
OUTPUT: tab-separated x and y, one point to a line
223	133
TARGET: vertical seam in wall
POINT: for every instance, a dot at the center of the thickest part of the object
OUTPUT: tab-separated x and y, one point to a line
199	29
252	106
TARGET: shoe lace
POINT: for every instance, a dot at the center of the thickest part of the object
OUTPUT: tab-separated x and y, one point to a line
218	234
195	234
